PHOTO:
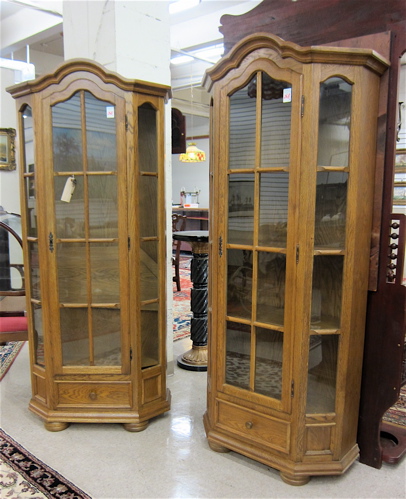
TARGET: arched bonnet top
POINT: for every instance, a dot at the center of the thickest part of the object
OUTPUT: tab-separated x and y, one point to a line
315	54
88	66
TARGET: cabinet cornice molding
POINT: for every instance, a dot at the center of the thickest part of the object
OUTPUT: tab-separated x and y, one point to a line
306	55
80	65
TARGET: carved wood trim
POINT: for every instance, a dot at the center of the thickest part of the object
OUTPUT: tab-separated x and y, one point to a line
78	65
314	54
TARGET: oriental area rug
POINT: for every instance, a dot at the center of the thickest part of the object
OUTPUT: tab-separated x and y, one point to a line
8	353
181	302
24	475
397	413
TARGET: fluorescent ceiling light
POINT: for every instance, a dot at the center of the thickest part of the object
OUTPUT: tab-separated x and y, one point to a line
209	54
181	59
214	52
181	5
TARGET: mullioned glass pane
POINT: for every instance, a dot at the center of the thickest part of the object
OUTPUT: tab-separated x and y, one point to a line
103	206
106	326
238	356
101	134
268	363
334	122
273	209
327	291
271	288
67	135
242	129
322	373
104	265
239	283
147	139
276	123
241	208
75	337
72	272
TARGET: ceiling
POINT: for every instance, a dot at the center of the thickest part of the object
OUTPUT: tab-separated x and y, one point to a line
31	27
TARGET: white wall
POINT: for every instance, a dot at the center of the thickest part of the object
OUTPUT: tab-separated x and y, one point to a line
191	175
9	181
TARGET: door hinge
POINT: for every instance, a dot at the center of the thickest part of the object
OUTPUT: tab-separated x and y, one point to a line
297	253
51	242
129	242
131	354
220	246
126	122
292	389
302	106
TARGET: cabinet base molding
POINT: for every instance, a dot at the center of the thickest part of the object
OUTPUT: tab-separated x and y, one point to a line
58	420
293	473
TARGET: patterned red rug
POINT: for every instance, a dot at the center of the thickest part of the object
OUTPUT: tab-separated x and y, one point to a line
397	413
181	302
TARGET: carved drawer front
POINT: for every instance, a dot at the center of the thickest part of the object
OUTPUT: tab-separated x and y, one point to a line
255	426
102	394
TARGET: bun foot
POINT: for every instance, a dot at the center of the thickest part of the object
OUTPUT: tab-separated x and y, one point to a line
56	426
133	427
294	480
218	447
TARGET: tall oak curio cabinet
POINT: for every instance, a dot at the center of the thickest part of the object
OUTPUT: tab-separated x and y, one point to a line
92	189
292	168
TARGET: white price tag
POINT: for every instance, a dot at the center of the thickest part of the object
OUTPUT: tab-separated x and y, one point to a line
69	189
109	111
287	95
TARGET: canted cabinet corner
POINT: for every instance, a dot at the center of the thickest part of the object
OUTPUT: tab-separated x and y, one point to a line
293	161
92	190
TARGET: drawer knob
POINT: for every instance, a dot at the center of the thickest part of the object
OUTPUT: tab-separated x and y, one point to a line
93	395
249	425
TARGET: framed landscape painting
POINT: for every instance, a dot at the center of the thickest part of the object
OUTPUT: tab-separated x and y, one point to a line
7	149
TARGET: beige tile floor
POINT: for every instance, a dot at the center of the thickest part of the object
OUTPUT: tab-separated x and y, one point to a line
171	458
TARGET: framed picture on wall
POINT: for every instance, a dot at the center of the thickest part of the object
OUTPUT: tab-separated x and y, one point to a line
7	149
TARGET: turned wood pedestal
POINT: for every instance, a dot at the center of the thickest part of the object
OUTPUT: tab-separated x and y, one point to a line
195	359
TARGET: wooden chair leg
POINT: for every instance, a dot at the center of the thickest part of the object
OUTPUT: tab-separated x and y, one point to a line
177	277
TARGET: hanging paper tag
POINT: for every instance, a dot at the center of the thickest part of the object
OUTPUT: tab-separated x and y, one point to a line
109	111
68	189
287	95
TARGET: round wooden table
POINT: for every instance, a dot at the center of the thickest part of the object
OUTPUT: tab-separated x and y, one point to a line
195	359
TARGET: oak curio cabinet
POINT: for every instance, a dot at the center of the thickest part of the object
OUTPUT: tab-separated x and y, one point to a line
293	151
92	189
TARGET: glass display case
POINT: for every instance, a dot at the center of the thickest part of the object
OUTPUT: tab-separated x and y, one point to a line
91	161
293	149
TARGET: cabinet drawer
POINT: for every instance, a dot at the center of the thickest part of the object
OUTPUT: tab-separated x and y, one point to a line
254	426
103	394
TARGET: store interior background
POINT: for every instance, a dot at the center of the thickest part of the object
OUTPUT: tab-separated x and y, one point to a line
32	32
32	42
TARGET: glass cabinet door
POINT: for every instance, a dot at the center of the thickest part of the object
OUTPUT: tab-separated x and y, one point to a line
148	219
260	122
86	241
333	170
32	274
